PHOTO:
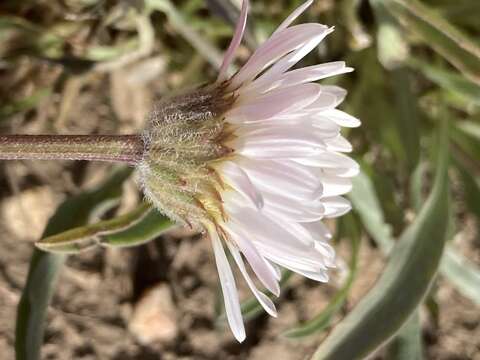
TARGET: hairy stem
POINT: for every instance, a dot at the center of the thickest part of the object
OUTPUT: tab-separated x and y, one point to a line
113	148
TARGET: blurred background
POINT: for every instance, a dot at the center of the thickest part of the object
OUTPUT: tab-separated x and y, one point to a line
96	67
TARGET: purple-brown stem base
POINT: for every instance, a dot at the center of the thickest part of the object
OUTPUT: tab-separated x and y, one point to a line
112	148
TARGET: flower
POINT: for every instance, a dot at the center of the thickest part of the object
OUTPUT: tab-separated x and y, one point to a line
255	160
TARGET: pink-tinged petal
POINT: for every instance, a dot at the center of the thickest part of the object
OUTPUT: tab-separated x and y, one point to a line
295	14
276	47
282	175
318	228
304	75
285	63
237	178
260	145
256	261
300	130
298	210
234	44
330	160
327	251
293	227
296	123
336	91
229	289
334	185
273	103
266	234
338	143
276	270
286	260
341	118
328	128
343	172
264	300
314	73
325	101
280	151
336	206
320	276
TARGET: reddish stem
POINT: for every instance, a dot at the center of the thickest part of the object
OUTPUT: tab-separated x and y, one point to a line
113	148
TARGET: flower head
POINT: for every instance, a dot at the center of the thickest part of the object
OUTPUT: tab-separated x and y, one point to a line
256	161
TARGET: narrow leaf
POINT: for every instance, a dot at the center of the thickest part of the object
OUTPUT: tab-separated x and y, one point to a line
404	283
407	344
45	267
471	188
324	318
448	80
148	228
366	204
406	119
84	237
437	32
464	274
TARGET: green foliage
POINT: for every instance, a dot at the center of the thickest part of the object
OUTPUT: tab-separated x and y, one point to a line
411	269
407	345
324	318
45	267
84	237
148	227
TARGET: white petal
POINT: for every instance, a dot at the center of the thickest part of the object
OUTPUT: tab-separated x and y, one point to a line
285	63
280	177
277	46
257	262
269	239
336	91
236	40
287	261
338	143
304	75
236	177
325	101
318	228
229	289
327	251
284	150
264	300
291	18
341	118
321	275
330	160
276	269
343	172
293	209
336	206
273	103
275	142
293	227
328	128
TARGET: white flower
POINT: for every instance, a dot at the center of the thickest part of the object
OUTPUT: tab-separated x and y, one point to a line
256	160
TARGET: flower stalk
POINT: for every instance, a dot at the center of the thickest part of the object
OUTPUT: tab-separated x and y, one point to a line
111	148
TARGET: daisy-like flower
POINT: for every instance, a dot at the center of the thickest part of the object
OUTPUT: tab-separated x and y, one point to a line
255	160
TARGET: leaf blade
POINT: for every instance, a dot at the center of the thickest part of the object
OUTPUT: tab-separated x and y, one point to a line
413	265
45	267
